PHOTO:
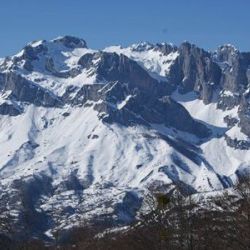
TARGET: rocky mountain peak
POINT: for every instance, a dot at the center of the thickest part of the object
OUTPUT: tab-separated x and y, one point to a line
166	48
71	42
143	46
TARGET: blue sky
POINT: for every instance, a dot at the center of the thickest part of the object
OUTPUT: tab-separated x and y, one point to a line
208	23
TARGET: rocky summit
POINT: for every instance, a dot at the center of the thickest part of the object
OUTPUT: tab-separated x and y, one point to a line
85	133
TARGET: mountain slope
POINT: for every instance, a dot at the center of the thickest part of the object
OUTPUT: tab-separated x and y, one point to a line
95	129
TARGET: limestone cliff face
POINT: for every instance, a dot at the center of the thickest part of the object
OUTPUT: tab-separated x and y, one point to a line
210	75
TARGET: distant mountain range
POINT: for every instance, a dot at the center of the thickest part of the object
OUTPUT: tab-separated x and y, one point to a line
83	133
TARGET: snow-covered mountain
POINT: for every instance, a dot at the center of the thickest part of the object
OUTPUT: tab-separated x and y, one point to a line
84	133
